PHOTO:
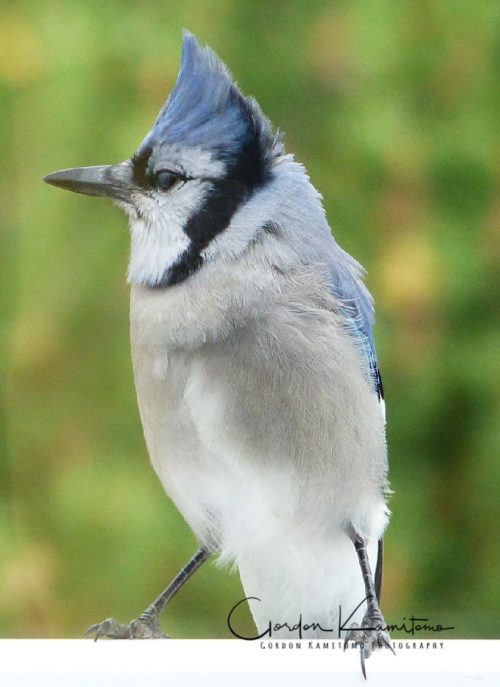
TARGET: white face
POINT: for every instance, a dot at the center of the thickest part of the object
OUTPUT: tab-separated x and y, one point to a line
157	221
158	218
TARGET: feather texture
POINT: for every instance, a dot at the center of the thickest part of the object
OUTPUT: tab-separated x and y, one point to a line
256	374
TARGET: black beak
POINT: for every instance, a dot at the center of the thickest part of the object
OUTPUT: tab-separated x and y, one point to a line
112	181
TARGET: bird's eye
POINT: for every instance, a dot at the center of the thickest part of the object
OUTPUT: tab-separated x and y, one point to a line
165	179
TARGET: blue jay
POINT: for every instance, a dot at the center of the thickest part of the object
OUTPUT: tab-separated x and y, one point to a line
254	362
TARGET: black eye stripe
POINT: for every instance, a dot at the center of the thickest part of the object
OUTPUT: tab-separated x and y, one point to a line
140	162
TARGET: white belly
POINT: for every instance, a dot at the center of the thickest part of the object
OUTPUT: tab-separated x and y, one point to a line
256	510
268	439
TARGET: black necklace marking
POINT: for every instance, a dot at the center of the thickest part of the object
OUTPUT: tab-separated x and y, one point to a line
248	172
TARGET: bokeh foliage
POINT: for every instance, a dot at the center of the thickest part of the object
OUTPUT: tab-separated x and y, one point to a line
393	105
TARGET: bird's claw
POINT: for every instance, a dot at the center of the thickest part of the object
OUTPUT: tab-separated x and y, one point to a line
144	627
370	636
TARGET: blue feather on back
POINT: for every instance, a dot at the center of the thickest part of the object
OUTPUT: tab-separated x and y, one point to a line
357	308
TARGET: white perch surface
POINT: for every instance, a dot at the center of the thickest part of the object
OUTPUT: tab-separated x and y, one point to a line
233	663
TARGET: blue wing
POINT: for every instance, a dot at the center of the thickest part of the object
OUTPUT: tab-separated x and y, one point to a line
357	308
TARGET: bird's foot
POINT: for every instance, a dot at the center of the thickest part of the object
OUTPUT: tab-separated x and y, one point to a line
370	636
144	627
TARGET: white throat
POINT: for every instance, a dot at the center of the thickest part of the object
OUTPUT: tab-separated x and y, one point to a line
157	231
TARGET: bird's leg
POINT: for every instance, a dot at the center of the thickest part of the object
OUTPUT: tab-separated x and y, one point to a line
147	625
373	631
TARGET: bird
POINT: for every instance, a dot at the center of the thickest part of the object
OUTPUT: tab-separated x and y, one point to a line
254	362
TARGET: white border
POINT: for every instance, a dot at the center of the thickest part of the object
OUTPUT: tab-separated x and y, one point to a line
185	663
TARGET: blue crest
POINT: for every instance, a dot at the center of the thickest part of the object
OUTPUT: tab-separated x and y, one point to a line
207	109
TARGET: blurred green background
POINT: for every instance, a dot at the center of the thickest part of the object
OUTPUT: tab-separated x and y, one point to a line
393	106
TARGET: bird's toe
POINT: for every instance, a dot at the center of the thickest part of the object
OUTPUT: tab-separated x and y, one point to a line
144	627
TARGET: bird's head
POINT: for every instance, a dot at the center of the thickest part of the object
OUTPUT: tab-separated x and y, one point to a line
210	151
